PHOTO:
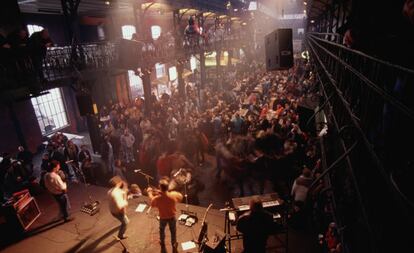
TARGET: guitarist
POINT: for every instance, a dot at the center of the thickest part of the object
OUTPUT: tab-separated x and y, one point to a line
165	202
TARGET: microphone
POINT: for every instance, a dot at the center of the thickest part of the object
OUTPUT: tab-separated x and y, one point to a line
178	172
136	171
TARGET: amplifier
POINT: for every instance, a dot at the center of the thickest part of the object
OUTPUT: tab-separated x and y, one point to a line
21	211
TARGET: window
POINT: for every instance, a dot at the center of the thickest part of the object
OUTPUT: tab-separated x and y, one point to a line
155	32
135	84
252	6
50	111
34	28
127	31
159	70
173	73
193	63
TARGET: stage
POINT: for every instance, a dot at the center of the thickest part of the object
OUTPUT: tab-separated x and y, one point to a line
96	233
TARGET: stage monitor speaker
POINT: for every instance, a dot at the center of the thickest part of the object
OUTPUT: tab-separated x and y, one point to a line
279	50
216	243
85	104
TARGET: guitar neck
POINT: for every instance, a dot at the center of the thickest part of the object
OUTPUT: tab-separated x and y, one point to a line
205	214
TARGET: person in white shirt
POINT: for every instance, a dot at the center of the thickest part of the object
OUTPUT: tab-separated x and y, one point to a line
58	188
118	204
127	144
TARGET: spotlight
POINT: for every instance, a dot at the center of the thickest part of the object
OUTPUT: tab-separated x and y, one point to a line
312	21
305	3
107	2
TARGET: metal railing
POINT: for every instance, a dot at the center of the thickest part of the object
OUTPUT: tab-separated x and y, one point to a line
371	117
18	70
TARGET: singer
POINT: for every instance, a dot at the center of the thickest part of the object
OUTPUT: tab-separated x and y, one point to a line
165	203
118	204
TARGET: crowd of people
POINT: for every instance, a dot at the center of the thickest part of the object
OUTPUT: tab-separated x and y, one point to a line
250	123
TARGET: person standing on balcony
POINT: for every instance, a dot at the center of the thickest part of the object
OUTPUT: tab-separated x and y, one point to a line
38	44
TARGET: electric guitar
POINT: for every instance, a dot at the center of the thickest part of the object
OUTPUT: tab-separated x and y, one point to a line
203	231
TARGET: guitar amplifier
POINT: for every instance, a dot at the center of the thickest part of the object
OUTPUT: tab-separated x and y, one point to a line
22	211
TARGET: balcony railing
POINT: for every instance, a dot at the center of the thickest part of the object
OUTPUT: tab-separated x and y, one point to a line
18	71
368	103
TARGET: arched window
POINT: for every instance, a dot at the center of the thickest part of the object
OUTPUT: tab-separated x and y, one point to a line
127	31
34	28
155	32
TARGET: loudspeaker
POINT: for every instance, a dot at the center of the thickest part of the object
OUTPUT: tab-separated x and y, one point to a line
216	243
85	104
130	54
279	50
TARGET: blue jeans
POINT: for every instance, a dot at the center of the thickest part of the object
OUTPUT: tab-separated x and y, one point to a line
63	202
173	229
124	222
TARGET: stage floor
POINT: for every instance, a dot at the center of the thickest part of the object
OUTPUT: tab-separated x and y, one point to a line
95	233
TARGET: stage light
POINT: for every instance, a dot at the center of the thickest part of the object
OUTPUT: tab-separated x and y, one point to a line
107	2
312	21
305	3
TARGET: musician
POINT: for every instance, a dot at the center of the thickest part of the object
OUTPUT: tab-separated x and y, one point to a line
165	202
118	204
256	226
54	182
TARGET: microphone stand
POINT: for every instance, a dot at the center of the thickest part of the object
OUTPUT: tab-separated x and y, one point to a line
147	177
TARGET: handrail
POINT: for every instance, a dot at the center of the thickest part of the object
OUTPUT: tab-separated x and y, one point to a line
371	84
402	68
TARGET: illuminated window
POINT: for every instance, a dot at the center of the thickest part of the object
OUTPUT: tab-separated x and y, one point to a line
173	73
50	111
252	6
155	32
193	63
135	83
127	31
34	28
159	70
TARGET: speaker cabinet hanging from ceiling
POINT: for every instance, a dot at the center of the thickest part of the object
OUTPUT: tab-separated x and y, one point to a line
279	50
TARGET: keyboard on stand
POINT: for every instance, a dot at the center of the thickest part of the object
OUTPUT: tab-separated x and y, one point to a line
269	200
